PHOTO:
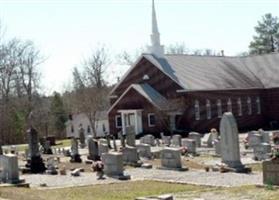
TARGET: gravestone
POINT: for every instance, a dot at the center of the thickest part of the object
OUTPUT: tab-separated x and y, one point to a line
81	136
103	148
9	166
190	144
35	161
144	150
103	141
207	140
93	149
148	139
230	143
195	136
46	146
166	140
130	155
176	140
75	157
271	172
171	159
265	136
254	139
122	138
51	166
130	136
262	151
275	137
217	147
113	165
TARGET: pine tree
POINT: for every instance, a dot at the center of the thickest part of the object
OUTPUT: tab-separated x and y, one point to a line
59	116
267	38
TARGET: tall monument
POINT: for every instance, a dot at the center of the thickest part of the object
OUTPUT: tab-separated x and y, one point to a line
156	48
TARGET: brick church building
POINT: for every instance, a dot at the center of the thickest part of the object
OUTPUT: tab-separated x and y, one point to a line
182	93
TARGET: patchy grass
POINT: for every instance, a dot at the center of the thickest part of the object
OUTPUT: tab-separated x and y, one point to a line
257	167
131	190
60	143
120	191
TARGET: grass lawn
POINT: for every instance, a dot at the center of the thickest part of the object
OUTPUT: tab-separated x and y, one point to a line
60	143
120	191
131	190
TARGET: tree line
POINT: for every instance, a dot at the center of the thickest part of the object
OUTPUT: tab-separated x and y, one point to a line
20	80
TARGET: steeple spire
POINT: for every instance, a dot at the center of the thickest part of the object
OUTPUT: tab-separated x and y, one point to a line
156	48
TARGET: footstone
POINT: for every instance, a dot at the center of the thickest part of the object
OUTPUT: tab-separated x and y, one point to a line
171	159
230	143
93	149
190	144
9	166
144	150
271	172
176	140
113	165
197	137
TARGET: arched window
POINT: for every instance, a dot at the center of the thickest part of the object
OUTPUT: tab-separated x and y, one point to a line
258	102
219	108
197	110
249	106
229	105
208	109
239	107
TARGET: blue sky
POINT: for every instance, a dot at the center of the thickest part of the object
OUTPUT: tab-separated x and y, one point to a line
67	30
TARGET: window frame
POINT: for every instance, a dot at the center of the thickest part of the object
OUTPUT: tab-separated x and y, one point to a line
197	110
116	121
208	109
149	121
239	106
219	108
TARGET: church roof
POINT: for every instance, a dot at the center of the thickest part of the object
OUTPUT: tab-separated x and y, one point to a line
149	93
217	73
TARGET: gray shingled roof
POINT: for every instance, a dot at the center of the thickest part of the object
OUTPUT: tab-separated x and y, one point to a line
213	73
152	95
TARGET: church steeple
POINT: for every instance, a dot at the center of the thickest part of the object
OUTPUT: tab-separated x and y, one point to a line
156	48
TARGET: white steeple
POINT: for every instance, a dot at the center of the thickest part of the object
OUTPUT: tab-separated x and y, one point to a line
156	48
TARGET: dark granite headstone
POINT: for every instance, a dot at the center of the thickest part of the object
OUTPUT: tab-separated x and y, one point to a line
35	162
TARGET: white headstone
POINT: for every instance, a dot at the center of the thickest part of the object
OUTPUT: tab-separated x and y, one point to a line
230	141
176	140
190	144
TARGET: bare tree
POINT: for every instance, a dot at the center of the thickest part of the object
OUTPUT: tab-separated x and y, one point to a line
90	92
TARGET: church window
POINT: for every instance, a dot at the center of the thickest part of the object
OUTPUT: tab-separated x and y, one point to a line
258	102
239	107
249	106
118	121
197	110
229	105
219	108
208	109
151	119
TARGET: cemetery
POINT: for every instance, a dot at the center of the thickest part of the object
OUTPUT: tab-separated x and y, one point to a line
179	125
180	164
